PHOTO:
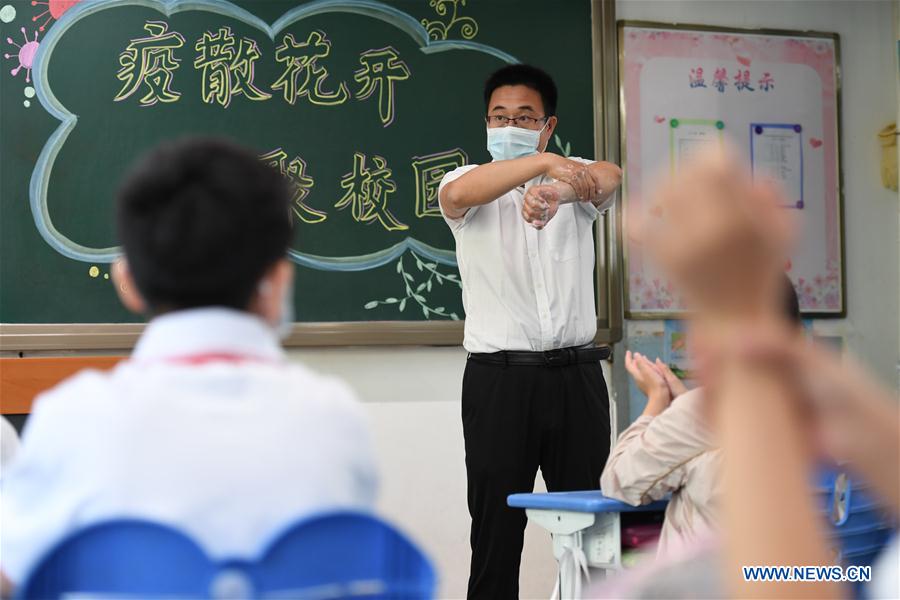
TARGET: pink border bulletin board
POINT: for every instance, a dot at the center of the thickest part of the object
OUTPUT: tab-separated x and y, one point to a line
775	95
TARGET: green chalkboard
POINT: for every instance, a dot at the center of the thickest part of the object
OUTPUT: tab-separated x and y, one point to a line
362	104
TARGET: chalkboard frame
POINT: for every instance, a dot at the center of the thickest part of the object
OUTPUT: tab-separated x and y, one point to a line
23	338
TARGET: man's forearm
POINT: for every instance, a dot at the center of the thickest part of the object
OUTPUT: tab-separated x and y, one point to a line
488	182
606	175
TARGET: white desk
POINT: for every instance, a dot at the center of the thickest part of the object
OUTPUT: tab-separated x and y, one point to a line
586	532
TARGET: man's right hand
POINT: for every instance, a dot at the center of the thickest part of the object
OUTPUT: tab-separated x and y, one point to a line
573	173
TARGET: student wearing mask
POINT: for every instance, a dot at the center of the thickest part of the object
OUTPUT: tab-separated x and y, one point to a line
533	390
207	427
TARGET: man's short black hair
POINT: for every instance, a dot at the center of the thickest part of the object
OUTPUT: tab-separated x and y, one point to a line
790	303
201	220
528	76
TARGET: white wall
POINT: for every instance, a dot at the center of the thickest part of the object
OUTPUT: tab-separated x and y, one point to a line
413	393
869	103
897	73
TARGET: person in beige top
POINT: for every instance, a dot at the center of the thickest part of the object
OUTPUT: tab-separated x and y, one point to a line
667	450
670	449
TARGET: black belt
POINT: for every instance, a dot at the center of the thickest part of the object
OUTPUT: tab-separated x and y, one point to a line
549	358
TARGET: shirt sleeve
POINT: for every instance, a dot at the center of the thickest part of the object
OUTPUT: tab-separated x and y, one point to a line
589	209
454	223
9	443
39	492
650	458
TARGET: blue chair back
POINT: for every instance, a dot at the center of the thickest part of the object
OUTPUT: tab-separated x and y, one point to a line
859	528
124	559
860	523
343	555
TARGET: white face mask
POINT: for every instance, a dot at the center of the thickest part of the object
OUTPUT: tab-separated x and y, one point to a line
286	314
505	143
286	322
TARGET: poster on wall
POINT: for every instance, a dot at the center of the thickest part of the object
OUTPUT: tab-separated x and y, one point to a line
774	95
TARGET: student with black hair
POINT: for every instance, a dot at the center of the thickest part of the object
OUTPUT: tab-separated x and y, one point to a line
533	390
207	427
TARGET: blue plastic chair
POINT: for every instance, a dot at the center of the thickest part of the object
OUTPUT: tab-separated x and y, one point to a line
334	555
343	555
860	524
859	529
122	558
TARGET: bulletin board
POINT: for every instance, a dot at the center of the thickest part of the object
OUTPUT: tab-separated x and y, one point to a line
775	95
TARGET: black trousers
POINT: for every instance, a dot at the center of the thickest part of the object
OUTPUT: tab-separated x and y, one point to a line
517	418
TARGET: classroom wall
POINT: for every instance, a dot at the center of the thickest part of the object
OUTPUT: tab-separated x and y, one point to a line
871	329
413	393
896	53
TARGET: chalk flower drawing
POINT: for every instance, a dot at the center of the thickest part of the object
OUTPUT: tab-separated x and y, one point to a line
24	54
416	290
54	10
439	30
565	149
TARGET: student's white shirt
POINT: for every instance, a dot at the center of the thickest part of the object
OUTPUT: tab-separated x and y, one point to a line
525	289
886	572
228	450
9	443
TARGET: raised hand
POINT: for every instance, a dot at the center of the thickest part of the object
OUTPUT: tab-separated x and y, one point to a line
676	386
723	238
649	381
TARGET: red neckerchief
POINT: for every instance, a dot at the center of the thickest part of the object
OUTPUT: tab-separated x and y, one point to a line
204	358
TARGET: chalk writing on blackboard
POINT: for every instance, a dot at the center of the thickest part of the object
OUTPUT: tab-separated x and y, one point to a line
227	70
302	65
152	71
301	183
368	191
381	68
429	171
150	61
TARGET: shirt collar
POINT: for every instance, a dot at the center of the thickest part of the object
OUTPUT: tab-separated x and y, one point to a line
198	331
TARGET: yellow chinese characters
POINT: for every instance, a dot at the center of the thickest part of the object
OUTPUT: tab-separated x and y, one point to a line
227	70
150	61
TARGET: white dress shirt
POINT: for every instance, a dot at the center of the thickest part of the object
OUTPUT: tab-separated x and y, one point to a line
207	428
523	288
9	443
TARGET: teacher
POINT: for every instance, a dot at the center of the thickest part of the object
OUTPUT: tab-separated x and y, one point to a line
533	392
